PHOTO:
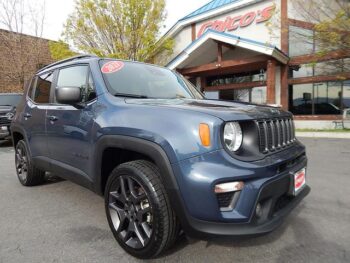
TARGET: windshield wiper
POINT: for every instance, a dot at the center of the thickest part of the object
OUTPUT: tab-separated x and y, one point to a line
130	95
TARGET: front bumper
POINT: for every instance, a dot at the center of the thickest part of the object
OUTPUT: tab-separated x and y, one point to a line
4	132
267	182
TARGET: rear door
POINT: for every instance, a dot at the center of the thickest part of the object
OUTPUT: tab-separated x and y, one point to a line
69	128
34	115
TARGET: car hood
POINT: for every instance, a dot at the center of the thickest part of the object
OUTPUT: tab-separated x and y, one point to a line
225	110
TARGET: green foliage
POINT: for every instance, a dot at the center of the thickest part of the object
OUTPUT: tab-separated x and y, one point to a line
124	29
60	50
335	31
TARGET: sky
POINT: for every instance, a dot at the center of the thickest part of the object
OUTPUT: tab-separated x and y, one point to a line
57	12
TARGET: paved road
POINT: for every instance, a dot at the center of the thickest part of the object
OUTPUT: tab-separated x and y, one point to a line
62	222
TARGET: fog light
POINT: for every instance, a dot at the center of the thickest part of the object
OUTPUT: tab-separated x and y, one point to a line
258	210
228	187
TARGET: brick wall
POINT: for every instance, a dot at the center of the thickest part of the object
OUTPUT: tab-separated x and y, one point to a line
20	57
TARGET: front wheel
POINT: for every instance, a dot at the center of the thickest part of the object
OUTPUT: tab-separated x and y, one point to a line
138	209
27	173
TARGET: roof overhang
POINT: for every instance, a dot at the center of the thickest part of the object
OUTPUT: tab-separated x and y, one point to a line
262	48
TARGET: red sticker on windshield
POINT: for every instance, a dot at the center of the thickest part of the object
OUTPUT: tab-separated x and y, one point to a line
112	67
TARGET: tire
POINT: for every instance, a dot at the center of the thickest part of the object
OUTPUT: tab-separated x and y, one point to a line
27	173
141	219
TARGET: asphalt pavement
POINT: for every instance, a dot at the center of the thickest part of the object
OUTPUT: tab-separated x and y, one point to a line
63	222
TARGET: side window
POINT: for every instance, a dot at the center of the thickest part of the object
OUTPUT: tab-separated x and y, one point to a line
90	93
77	76
43	87
31	87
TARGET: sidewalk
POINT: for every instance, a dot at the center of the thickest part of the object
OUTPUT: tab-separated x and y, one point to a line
333	135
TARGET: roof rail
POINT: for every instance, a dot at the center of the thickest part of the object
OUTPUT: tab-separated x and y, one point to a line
67	60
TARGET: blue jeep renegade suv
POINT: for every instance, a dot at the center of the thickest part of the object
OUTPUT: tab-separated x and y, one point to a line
165	158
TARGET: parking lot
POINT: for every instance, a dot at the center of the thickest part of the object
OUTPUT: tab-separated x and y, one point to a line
63	222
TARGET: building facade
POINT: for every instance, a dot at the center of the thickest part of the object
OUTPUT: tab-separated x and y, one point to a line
20	57
261	51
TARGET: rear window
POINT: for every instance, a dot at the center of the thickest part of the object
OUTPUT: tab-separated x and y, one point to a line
145	80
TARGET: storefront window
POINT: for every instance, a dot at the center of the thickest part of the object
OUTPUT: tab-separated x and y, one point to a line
237	78
320	98
346	94
326	68
255	95
301	41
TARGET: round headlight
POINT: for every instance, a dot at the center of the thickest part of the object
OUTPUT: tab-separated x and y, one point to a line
233	136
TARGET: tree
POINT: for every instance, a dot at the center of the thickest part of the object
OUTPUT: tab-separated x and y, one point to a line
331	19
331	31
124	29
60	50
23	53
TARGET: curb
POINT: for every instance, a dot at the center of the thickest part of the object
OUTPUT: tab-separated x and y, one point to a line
332	135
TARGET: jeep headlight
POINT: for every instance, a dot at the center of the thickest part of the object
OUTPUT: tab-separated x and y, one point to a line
233	136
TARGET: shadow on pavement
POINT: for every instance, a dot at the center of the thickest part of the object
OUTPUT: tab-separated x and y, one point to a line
5	143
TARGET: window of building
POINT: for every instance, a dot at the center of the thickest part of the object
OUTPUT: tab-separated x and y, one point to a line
43	87
301	41
237	78
326	98
254	95
325	68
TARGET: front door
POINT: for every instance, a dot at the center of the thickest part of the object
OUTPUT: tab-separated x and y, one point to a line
69	128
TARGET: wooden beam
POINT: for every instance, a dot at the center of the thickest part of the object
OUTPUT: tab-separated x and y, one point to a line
271	82
226	45
336	54
284	27
231	64
244	85
219	53
301	24
284	87
338	77
193	29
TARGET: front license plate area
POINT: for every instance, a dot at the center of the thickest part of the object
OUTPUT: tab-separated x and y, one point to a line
299	181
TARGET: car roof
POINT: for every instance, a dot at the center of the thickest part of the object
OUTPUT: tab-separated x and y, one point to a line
82	59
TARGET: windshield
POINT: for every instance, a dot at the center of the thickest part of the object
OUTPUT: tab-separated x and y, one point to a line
10	100
139	80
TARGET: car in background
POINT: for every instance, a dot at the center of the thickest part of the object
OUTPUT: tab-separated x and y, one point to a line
8	104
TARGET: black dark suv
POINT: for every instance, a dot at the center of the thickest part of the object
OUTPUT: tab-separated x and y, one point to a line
163	156
8	104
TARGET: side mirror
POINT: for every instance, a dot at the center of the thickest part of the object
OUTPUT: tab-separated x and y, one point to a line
68	95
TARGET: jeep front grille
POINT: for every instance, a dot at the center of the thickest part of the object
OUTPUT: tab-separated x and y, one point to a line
275	134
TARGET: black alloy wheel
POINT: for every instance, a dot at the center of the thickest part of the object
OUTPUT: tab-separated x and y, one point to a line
28	174
21	161
138	209
130	212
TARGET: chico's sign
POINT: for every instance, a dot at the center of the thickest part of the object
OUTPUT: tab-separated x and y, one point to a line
233	23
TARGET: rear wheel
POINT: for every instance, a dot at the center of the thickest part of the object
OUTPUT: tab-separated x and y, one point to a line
138	209
27	173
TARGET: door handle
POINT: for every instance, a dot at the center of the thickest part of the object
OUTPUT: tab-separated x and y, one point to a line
27	115
52	118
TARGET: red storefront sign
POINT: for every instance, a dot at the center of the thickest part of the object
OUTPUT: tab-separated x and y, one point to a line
233	23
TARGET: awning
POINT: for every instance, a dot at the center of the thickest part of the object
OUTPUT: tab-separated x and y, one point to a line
181	60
